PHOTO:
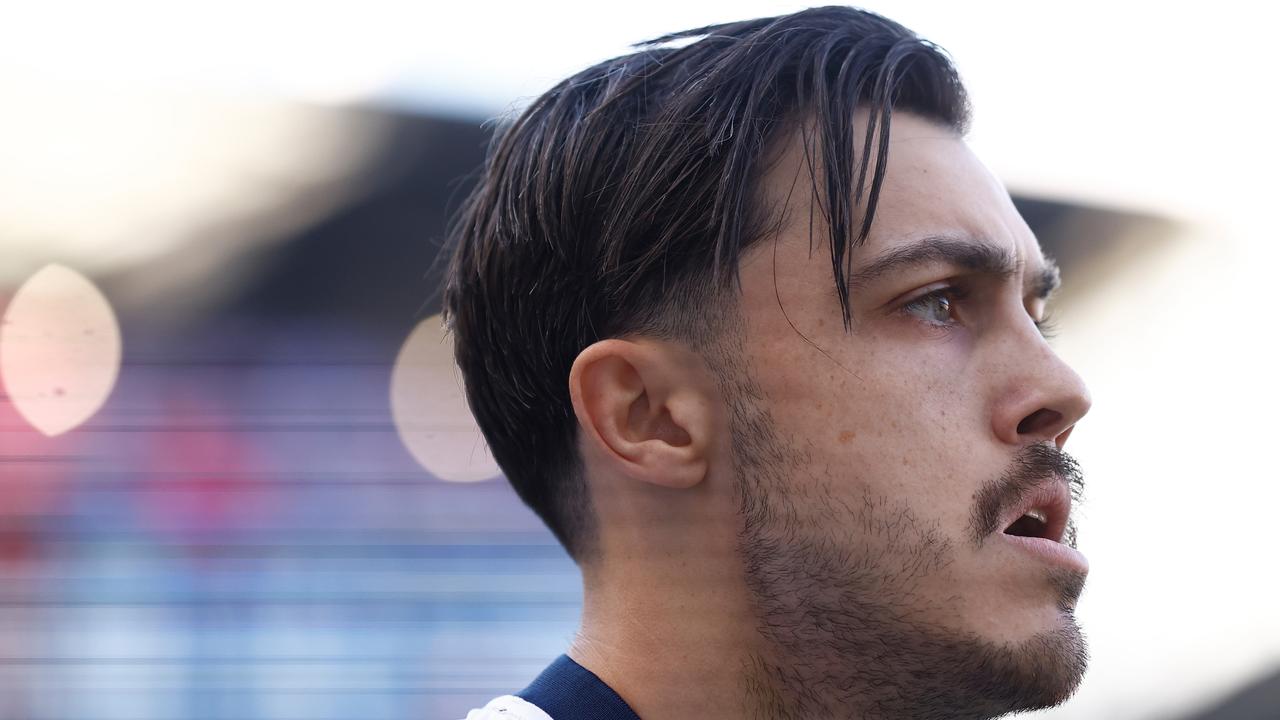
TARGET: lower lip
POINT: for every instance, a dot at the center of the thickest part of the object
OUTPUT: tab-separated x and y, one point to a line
1049	551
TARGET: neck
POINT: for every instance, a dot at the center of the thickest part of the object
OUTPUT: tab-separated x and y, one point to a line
676	637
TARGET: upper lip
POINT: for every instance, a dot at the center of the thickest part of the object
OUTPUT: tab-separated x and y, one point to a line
1052	497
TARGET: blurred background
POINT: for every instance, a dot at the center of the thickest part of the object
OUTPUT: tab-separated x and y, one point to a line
237	477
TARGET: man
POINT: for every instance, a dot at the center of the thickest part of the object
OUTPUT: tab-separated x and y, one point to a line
748	325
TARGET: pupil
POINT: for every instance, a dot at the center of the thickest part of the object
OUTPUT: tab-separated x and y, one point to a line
943	307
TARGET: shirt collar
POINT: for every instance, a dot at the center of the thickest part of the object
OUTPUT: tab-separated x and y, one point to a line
568	691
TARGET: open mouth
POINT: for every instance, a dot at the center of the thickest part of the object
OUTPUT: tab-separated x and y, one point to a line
1042	513
1037	524
1034	523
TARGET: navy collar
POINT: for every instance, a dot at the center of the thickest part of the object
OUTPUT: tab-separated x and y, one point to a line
568	691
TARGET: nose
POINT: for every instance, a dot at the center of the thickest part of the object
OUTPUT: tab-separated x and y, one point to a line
1041	398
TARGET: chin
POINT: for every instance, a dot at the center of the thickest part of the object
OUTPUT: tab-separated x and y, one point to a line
1040	666
1042	672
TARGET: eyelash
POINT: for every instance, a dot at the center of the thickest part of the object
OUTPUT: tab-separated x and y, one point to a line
1047	326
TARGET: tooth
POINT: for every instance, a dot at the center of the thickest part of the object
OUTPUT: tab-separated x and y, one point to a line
1040	515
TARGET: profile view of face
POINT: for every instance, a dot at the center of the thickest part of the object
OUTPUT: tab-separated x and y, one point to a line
879	467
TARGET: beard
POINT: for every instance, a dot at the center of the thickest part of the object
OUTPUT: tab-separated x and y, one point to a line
847	601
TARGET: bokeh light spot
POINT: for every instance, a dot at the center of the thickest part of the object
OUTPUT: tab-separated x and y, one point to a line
430	409
59	349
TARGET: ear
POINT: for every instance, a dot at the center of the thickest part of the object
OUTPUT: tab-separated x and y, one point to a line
644	408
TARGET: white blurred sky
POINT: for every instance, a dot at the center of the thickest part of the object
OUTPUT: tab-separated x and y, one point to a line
1062	91
1161	107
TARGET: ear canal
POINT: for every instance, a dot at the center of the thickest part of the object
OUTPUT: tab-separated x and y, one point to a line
670	432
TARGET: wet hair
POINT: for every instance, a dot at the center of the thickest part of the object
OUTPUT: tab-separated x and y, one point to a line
621	201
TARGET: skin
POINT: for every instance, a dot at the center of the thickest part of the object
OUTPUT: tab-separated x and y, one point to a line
786	522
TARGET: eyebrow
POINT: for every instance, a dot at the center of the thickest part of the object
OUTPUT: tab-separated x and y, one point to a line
969	254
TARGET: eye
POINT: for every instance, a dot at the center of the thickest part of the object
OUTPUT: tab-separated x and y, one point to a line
936	308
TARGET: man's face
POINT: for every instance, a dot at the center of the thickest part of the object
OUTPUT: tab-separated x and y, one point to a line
877	466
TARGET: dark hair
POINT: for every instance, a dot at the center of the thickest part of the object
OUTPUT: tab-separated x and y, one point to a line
622	199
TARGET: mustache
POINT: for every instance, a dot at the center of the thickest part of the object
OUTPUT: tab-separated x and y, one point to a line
1030	467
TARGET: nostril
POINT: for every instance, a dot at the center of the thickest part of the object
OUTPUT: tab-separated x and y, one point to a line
1039	421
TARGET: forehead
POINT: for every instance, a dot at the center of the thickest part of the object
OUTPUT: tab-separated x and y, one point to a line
934	186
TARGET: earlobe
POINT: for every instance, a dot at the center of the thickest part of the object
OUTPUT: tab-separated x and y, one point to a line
642	411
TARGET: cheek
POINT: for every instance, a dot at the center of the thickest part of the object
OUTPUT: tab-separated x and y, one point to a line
885	397
919	375
930	447
932	398
902	423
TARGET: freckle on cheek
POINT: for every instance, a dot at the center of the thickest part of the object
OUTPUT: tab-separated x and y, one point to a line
846	436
